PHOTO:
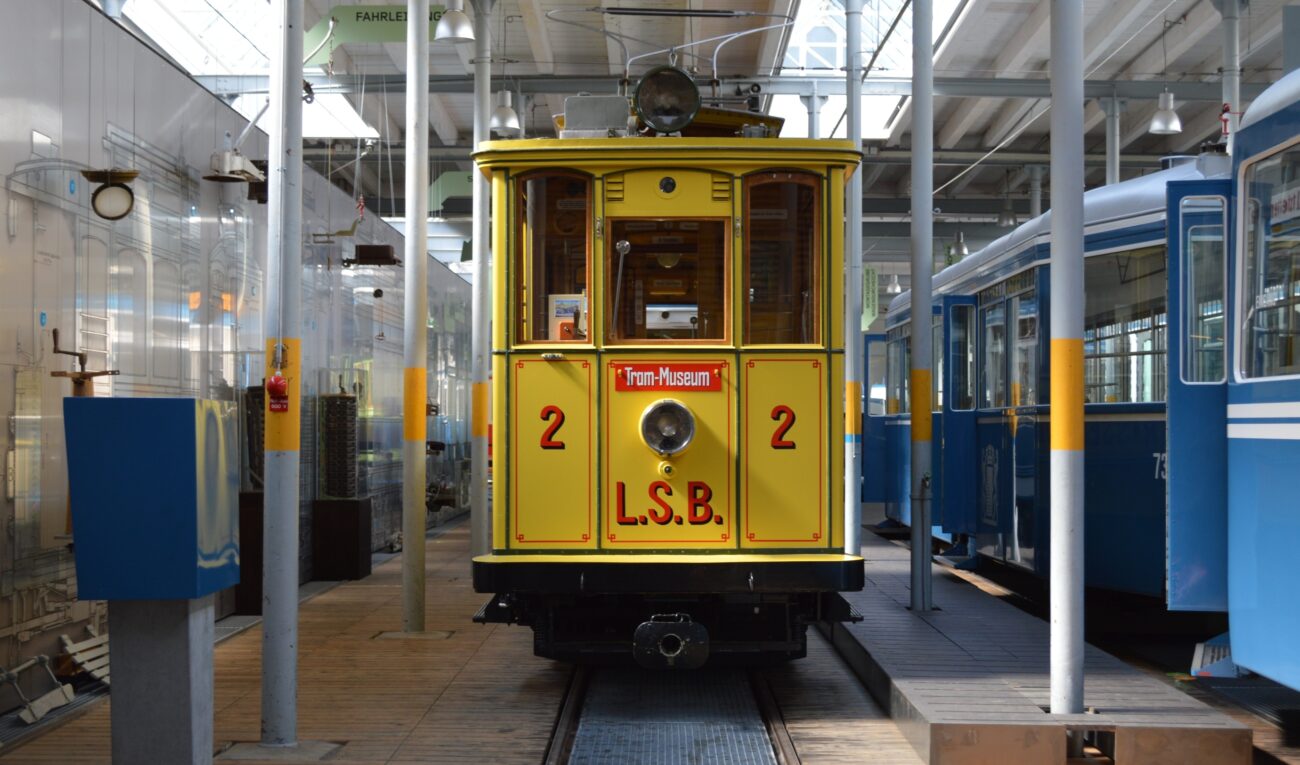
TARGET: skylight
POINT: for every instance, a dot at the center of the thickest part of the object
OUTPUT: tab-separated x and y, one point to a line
208	37
817	49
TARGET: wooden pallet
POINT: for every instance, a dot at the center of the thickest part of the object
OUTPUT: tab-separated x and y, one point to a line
89	656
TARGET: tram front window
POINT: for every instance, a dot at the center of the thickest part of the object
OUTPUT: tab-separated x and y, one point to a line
552	258
667	280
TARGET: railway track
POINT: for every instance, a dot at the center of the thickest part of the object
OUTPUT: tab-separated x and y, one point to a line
808	711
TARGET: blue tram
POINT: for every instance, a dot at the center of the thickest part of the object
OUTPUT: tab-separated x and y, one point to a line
1192	384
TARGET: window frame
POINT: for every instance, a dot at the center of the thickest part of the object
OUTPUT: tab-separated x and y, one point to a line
520	278
817	183
1186	272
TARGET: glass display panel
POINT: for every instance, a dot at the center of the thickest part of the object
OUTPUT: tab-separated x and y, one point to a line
1124	327
1204	247
1024	367
782	228
667	280
963	357
554	215
993	375
1270	317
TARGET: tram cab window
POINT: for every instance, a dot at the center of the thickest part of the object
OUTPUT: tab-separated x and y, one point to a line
551	258
1124	326
667	280
782	245
1270	316
1024	364
1204	282
962	357
897	390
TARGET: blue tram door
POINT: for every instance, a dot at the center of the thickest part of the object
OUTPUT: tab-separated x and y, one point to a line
1195	463
873	421
956	463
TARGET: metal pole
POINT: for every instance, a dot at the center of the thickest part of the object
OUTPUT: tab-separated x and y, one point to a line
481	512
1231	12
922	272
1035	191
1066	585
853	361
415	380
814	103
1112	108
283	357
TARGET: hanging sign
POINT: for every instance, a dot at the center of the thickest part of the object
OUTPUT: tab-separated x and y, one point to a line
362	24
870	296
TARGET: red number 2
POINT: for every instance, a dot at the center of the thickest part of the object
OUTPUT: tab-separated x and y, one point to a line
548	438
785	416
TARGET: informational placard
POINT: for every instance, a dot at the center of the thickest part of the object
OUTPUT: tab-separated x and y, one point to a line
674	376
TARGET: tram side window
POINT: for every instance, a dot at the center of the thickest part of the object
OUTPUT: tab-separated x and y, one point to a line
993	387
877	377
897	399
1124	327
1270	342
962	350
936	364
551	258
782	227
1024	366
668	280
1203	241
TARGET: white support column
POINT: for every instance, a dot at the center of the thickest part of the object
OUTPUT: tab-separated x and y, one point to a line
481	306
922	274
283	324
1066	539
853	359
1231	10
1035	191
415	381
1112	107
814	103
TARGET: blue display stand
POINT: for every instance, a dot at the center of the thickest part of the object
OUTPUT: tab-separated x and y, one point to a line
154	487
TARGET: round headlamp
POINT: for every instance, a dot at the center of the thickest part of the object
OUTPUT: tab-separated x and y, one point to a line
667	427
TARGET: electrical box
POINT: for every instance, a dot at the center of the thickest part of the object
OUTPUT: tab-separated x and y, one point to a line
154	489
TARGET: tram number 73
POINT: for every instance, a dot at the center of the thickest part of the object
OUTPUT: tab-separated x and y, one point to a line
1162	465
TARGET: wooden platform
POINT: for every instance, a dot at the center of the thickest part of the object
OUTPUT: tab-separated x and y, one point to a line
477	695
969	683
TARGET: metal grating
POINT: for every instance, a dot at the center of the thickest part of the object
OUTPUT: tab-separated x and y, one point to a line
670	718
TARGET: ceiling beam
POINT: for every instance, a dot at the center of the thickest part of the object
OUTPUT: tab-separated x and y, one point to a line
772	43
538	40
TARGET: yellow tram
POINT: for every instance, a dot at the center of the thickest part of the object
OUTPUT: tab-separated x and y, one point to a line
667	395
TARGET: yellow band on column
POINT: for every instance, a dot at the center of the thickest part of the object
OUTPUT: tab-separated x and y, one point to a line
415	394
853	408
1067	394
284	429
920	394
479	411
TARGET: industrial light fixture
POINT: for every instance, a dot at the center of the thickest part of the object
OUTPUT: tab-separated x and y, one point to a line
1165	121
1007	216
893	288
454	25
113	199
504	119
959	248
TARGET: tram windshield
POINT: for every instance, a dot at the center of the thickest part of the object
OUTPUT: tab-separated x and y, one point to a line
552	258
1271	317
667	280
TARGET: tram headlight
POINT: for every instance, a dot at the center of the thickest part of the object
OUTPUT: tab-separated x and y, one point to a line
667	427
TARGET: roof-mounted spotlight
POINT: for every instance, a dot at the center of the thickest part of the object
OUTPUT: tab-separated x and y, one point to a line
504	118
454	25
113	199
1165	121
667	99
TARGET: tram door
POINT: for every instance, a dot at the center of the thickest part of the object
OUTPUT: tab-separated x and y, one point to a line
1195	463
873	421
956	434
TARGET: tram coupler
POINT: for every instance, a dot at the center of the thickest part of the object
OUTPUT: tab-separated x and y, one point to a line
670	641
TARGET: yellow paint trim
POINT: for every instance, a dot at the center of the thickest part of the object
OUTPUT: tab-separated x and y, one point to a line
1067	394
670	558
920	390
479	411
853	408
415	394
284	429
